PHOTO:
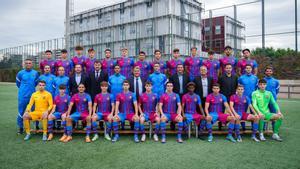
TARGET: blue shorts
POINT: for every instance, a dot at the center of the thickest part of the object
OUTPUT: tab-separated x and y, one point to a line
126	116
193	117
100	115
57	115
214	116
79	116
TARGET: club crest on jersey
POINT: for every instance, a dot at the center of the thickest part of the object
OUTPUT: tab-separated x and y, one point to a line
195	99
84	99
65	100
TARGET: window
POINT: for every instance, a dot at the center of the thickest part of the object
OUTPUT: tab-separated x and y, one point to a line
132	12
122	9
207	29
149	28
107	20
149	11
149	4
186	29
132	29
218	29
122	32
107	36
218	43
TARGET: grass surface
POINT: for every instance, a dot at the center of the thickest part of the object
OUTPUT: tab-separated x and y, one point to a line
193	153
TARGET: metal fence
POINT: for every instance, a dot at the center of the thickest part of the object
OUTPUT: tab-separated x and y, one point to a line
243	26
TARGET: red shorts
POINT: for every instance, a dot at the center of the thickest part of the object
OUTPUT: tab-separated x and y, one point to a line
244	115
150	116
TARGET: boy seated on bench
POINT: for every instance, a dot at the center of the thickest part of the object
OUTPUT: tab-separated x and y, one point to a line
190	103
239	104
83	103
104	106
148	111
126	109
170	109
42	101
261	100
214	107
60	107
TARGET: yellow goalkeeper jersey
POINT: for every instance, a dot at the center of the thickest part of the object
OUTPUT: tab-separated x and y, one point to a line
42	101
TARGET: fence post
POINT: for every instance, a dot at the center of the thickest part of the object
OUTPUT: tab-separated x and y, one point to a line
289	91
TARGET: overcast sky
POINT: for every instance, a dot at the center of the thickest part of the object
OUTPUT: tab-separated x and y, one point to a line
25	21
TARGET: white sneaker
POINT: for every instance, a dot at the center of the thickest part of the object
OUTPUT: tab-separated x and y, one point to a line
155	137
239	139
96	136
107	137
262	137
255	139
143	138
276	137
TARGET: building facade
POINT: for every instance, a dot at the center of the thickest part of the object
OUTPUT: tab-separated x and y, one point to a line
219	32
139	25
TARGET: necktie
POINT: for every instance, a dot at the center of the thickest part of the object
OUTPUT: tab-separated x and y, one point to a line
137	87
97	74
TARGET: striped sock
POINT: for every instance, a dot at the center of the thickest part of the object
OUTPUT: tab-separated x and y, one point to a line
254	129
136	127
156	130
237	130
69	130
50	126
64	123
88	130
94	127
202	125
108	127
230	128
115	127
142	128
180	126
163	129
209	128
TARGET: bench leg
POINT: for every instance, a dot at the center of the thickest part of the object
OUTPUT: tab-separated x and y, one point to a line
189	131
104	125
196	130
150	130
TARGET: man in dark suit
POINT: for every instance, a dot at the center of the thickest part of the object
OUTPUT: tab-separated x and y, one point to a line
77	78
203	84
228	82
179	80
137	84
95	78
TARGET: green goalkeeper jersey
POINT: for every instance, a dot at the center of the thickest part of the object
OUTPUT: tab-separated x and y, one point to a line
261	101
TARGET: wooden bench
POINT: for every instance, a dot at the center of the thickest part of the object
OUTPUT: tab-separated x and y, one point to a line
192	129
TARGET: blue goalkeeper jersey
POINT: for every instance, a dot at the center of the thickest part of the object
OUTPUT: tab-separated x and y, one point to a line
273	86
249	81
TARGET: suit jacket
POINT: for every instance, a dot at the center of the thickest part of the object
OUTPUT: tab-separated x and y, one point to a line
73	85
94	83
199	87
228	85
176	86
131	82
